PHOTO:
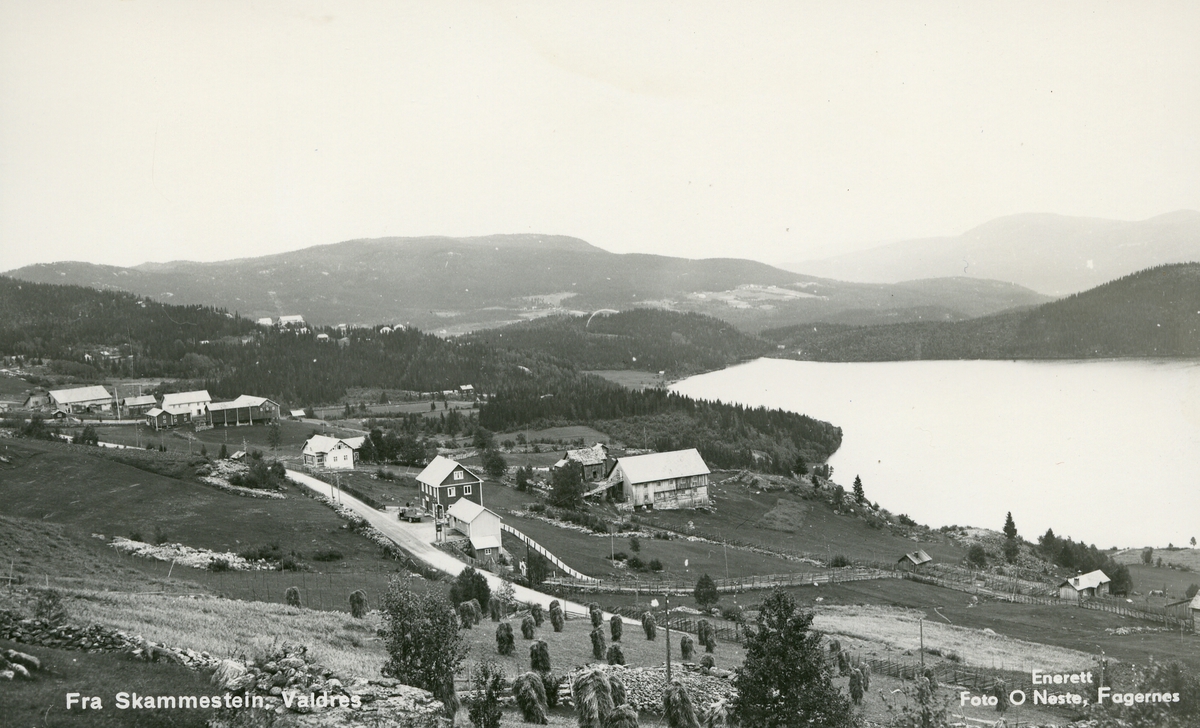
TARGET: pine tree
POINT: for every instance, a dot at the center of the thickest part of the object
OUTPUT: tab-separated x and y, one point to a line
859	494
706	593
785	682
1010	528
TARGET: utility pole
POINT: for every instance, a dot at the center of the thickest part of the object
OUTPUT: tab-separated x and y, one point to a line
921	624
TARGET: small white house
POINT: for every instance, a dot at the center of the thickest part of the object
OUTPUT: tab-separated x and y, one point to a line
321	451
1084	586
187	404
480	525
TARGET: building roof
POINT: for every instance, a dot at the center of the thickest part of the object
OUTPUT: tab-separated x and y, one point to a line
80	394
140	400
265	321
1090	580
439	469
485	541
594	455
917	557
155	412
178	398
663	465
244	400
1195	603
321	444
467	510
297	319
298	413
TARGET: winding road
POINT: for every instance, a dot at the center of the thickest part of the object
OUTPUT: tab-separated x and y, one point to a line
410	539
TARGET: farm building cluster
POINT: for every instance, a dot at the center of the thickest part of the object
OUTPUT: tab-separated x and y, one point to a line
169	410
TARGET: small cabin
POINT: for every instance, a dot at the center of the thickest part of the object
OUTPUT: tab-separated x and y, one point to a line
480	525
1084	586
913	560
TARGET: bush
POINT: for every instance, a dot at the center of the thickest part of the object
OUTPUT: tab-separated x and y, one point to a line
483	707
292	596
976	556
705	593
219	563
655	565
636	563
329	554
49	606
423	643
527	627
470	584
649	626
839	561
160	535
504	638
616	627
358	604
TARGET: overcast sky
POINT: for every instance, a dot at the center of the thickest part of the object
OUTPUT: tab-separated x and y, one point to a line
135	131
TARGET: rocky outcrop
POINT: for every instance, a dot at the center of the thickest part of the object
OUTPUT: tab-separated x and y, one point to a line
94	638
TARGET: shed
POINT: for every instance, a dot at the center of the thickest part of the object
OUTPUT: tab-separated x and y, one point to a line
139	405
298	414
159	419
1084	586
480	525
914	559
593	460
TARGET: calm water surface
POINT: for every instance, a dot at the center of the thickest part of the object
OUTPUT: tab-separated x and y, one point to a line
1106	451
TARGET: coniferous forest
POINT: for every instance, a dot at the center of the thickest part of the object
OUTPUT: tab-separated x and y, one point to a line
93	335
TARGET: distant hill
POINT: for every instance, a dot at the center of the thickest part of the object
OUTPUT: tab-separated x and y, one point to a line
461	284
643	339
1151	313
1052	254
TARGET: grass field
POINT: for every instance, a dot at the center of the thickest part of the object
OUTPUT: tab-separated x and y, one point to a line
630	378
1060	626
588	552
11	386
48	481
42	702
782	521
292	437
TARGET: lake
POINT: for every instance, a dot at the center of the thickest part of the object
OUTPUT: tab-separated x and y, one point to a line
1104	451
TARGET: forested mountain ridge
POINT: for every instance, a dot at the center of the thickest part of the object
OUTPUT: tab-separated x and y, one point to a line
1151	313
456	285
644	339
229	356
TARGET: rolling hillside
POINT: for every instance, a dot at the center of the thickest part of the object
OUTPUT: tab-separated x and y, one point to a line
461	284
1152	313
1052	254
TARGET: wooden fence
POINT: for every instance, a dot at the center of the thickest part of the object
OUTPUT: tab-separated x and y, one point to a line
679	587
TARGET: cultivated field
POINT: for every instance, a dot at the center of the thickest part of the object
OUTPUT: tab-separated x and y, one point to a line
630	378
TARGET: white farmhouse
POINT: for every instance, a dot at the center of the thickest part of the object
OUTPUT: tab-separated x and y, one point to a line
662	480
480	525
1092	584
322	451
187	405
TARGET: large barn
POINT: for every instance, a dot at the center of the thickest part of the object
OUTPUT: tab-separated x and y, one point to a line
82	399
245	410
186	405
444	482
662	480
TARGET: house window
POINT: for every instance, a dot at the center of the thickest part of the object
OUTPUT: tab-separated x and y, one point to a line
450	493
466	490
458	475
